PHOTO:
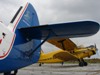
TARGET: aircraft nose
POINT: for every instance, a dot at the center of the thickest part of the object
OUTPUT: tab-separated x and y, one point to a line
94	49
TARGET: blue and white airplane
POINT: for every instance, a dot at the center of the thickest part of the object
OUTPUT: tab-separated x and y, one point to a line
20	41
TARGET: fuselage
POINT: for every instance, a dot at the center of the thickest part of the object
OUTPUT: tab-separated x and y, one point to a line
50	57
59	56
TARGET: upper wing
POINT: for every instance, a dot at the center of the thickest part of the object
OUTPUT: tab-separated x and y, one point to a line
73	29
63	43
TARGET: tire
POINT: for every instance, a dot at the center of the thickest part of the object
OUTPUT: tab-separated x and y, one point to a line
81	64
85	63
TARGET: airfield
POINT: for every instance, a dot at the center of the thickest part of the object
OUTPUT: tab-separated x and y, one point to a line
58	69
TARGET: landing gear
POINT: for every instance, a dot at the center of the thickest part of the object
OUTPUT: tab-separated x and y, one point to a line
40	64
82	63
9	73
85	63
62	63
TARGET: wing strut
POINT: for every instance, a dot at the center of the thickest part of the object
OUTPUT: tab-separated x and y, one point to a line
49	35
62	43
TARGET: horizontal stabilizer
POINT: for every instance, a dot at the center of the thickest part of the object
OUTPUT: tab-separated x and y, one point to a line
69	30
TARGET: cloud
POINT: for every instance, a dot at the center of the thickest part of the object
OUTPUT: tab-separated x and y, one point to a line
65	10
8	8
53	11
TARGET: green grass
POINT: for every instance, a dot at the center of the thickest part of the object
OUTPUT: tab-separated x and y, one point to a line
87	60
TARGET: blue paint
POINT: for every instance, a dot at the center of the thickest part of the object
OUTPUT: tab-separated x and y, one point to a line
69	30
19	55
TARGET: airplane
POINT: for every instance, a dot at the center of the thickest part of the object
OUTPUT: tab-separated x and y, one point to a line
68	50
20	41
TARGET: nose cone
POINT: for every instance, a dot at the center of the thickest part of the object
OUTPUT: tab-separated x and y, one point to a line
93	48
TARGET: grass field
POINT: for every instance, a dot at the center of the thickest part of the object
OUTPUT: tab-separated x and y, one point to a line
87	60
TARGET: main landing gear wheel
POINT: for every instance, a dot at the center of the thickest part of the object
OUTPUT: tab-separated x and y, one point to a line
62	63
85	63
82	63
40	64
9	73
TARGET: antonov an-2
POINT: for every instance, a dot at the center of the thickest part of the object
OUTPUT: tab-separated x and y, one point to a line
20	41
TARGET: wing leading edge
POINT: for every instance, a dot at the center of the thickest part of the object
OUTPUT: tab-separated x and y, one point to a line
69	30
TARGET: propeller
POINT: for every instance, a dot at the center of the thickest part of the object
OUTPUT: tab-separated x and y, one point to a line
97	51
96	47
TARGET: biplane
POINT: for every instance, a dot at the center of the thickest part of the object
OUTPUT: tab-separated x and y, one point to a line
68	51
20	41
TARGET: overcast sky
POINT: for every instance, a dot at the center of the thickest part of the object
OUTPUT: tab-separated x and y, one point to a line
55	11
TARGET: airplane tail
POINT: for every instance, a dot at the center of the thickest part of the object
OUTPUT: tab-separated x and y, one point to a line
26	16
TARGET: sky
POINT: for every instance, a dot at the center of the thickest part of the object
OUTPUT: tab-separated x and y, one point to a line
58	11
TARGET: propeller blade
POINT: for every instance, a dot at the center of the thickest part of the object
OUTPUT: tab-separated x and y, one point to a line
97	51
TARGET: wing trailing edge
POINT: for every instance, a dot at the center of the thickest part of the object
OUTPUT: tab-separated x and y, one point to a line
69	30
